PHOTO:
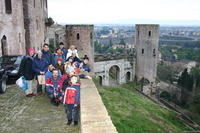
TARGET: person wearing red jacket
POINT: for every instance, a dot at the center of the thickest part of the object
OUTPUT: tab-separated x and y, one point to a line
72	100
53	88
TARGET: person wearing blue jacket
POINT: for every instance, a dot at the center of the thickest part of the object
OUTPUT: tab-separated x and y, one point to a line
63	49
47	55
40	67
72	100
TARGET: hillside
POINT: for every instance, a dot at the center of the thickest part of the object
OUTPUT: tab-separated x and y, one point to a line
133	113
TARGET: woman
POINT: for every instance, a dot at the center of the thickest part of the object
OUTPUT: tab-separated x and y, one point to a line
40	67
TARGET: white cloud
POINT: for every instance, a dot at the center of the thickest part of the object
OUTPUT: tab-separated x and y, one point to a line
107	11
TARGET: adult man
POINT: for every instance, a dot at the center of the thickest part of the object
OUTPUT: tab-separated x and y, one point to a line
53	87
47	55
26	70
63	49
49	74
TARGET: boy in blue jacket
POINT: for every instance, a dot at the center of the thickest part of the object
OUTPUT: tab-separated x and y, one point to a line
72	100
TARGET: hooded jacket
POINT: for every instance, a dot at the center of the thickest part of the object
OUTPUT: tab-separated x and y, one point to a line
72	94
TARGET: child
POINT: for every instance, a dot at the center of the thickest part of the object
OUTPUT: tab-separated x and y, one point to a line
59	54
72	100
60	65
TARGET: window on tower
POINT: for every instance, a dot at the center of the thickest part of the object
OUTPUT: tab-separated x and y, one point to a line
149	33
142	51
154	52
91	35
78	36
8	6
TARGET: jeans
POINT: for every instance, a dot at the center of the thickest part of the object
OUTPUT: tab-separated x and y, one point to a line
72	112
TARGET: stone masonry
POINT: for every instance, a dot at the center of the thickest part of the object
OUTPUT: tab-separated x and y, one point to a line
35	16
94	116
82	36
12	28
22	25
147	39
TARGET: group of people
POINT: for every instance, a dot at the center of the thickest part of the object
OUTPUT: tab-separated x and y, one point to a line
61	71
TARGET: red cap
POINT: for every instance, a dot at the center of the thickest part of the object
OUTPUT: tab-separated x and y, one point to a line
31	50
59	59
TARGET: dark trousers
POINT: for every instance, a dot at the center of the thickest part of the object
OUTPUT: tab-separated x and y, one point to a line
72	112
39	87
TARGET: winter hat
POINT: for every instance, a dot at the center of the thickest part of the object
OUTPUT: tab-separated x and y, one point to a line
31	50
39	52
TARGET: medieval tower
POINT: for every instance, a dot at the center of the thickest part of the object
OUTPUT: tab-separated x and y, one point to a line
35	16
22	25
146	40
12	27
82	36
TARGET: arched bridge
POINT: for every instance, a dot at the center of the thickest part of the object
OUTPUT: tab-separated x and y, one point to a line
114	72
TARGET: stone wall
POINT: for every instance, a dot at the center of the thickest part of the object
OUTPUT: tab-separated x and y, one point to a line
147	39
94	116
12	26
82	36
102	68
35	16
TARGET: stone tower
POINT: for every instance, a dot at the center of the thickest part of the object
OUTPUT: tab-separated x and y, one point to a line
82	36
146	40
12	40
35	16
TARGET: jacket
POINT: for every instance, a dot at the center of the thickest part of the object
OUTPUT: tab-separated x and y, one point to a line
61	68
26	68
53	86
70	52
48	56
72	94
59	55
40	65
64	50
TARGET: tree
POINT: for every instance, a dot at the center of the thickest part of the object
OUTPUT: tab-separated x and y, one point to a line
49	22
186	80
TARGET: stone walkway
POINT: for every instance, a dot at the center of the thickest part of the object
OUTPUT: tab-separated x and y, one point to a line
94	116
19	114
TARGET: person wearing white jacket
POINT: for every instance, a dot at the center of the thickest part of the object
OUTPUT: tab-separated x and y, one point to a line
72	51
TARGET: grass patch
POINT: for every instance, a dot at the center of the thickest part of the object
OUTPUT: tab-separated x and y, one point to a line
133	113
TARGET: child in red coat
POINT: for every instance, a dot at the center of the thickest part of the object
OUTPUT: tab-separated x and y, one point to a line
72	100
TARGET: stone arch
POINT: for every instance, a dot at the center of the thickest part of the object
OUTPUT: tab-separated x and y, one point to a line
144	81
165	95
4	45
114	75
100	80
128	76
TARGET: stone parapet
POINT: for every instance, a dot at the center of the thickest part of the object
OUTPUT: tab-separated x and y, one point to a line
94	116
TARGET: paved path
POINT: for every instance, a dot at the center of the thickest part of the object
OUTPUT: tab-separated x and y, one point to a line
19	114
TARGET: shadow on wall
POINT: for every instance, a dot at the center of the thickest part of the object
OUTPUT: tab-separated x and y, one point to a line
114	75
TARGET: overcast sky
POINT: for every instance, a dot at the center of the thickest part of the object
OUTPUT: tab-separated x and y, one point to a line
125	11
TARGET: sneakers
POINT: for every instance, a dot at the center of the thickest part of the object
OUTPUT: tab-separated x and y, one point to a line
69	122
30	95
